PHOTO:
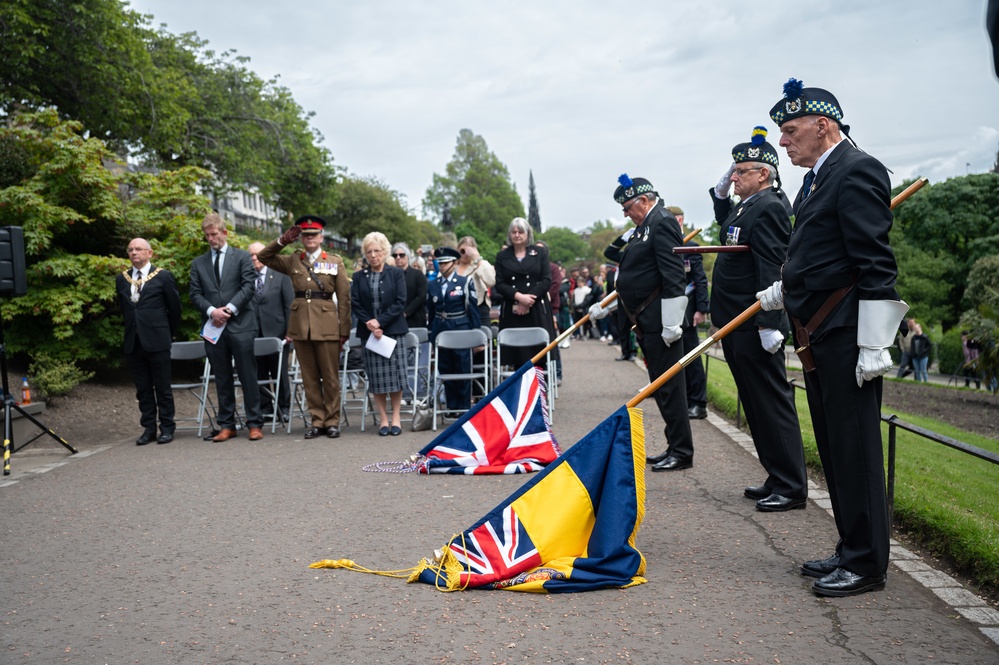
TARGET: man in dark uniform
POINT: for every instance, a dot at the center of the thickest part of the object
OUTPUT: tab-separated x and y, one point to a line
272	300
650	287
838	288
320	317
761	220
698	306
452	305
150	307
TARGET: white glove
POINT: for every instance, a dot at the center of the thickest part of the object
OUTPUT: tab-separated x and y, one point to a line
626	236
872	363
772	297
877	325
671	334
597	312
771	339
672	311
724	185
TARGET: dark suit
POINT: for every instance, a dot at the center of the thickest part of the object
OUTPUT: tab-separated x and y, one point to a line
647	263
150	324
531	275
697	301
763	223
841	232
272	304
235	345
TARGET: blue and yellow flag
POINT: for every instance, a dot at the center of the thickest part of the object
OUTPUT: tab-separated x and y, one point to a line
571	528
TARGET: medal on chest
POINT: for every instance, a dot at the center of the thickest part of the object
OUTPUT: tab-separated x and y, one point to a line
732	237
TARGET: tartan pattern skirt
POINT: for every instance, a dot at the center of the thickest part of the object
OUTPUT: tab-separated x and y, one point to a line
386	375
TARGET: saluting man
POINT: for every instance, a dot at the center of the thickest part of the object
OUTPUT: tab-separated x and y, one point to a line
760	220
320	317
838	288
650	286
451	303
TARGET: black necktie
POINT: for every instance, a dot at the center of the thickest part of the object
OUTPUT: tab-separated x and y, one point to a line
218	277
138	281
806	189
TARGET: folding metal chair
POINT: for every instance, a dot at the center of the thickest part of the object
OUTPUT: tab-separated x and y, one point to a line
457	340
187	352
412	343
527	337
352	382
422	384
265	346
297	405
487	358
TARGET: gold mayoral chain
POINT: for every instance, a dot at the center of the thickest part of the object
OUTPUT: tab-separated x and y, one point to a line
137	283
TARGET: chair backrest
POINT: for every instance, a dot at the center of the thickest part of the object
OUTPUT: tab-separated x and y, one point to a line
354	341
187	350
267	346
488	330
422	334
523	337
461	339
411	341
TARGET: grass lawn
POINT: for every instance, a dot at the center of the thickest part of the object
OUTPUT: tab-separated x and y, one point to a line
945	499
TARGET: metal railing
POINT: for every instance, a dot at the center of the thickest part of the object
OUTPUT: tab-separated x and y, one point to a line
894	424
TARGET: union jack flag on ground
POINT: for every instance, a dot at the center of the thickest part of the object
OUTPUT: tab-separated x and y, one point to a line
573	527
507	431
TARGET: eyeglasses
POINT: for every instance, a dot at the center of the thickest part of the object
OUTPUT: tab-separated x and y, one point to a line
399	256
628	207
742	172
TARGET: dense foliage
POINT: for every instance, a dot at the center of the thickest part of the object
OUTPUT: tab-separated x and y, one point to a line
477	189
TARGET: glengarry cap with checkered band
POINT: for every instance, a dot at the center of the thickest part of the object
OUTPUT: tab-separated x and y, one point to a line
757	150
630	189
799	101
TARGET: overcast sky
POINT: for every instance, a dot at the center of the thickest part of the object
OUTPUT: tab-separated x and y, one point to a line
581	91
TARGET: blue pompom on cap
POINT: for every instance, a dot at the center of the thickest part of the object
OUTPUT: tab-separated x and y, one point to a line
793	88
625	181
759	135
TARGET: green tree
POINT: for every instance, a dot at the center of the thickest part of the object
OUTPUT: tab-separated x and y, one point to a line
938	234
477	188
77	218
368	204
166	99
982	320
565	245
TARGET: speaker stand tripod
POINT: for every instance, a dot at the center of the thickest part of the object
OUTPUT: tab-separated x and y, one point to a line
9	406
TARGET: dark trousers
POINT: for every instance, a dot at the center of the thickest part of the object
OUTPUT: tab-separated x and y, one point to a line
235	348
693	374
847	423
458	394
768	400
151	375
268	370
624	331
672	396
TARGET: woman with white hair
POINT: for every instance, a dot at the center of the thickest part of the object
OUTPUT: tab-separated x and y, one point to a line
523	275
378	299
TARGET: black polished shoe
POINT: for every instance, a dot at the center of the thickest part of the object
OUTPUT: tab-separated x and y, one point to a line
673	464
820	567
333	432
312	433
841	582
775	503
655	459
165	437
147	437
395	431
383	431
697	412
757	492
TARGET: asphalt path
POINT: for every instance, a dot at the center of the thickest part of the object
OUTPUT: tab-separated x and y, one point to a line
197	552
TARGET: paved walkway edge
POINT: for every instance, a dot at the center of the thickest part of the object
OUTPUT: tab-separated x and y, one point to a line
949	590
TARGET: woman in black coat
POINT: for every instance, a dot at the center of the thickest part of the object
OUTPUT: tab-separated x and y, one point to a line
378	300
523	276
